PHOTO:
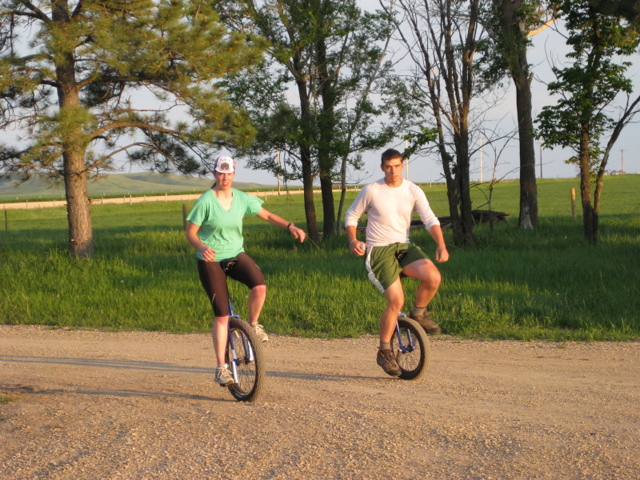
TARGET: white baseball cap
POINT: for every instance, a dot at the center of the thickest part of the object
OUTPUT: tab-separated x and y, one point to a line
224	164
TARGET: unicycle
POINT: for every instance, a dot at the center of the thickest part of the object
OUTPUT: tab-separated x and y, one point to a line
411	348
244	355
245	359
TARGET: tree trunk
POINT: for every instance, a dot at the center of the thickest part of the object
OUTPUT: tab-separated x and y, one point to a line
453	194
328	207
309	204
81	243
305	153
327	127
596	203
73	148
462	178
589	216
528	187
343	194
519	69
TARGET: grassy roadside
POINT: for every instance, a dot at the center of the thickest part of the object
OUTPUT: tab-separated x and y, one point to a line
545	284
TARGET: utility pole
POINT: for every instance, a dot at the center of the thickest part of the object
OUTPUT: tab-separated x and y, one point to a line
622	160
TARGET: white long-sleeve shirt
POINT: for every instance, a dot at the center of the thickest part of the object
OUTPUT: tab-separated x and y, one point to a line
389	211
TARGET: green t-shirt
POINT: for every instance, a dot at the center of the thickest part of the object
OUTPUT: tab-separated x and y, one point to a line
220	229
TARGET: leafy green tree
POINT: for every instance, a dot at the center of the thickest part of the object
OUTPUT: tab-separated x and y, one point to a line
588	87
511	23
73	76
441	38
313	100
627	9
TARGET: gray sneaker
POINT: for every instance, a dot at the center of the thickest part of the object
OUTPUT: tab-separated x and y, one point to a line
429	326
388	363
262	335
223	376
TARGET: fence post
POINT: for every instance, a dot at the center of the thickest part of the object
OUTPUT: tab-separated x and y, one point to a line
573	203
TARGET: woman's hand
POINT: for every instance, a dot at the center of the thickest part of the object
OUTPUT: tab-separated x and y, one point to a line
208	255
298	233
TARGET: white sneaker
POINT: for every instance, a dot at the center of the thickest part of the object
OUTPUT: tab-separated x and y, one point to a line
223	376
262	335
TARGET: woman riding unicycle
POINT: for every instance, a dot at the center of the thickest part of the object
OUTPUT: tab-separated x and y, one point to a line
214	228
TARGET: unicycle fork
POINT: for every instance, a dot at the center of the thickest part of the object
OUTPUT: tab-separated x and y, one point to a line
246	346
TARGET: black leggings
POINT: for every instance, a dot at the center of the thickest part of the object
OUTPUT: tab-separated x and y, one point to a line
214	280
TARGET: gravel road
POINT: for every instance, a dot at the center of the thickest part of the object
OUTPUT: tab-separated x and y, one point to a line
105	405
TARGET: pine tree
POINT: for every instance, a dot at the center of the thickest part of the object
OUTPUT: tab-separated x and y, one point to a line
90	82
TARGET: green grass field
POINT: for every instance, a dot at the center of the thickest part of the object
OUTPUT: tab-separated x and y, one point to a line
514	284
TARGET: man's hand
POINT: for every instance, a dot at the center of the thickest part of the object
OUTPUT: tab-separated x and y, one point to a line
442	254
357	247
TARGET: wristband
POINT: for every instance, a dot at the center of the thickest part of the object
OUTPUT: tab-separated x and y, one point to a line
289	226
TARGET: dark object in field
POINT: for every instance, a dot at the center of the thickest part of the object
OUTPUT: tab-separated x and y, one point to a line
479	216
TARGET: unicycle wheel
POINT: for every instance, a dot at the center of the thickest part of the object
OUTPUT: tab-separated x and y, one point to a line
412	350
248	365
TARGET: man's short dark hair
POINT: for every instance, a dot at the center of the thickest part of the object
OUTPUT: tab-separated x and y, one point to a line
389	154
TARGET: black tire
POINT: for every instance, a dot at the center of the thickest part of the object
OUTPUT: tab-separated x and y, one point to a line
251	373
415	361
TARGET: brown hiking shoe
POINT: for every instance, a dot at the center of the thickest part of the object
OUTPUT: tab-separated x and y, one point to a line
388	362
431	327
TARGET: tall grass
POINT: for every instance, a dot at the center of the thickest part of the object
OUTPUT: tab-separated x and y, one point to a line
542	284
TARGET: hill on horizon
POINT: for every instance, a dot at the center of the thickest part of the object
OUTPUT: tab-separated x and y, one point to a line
115	184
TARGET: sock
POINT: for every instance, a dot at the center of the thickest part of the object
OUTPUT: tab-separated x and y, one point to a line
385	346
417	311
